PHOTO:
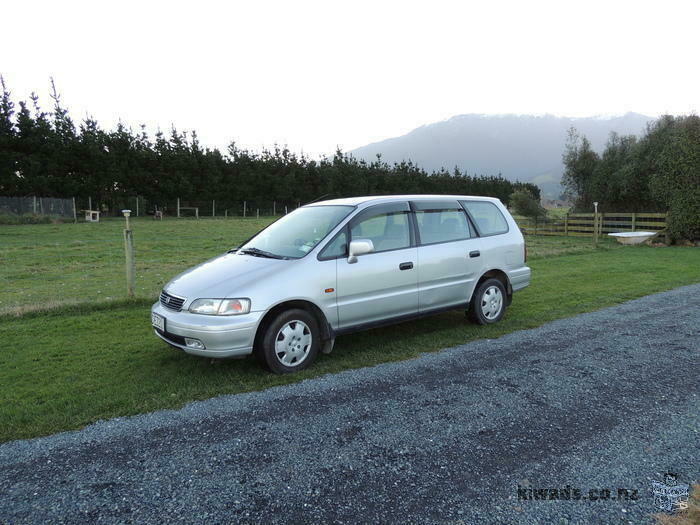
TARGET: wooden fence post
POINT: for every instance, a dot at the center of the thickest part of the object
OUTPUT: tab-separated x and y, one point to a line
257	213
634	221
595	227
245	209
274	208
566	224
75	213
213	208
130	262
178	207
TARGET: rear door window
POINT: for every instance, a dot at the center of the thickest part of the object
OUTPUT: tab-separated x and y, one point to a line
488	218
442	225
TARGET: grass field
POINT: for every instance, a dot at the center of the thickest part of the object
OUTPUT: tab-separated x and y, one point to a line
45	266
76	363
50	265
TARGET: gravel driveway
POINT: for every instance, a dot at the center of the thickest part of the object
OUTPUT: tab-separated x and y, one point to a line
605	400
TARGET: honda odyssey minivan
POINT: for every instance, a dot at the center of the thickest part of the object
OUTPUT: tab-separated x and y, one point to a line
344	265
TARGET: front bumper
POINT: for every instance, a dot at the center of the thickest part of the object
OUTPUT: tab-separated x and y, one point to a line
223	336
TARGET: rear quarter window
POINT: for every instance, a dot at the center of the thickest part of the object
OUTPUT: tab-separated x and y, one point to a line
488	218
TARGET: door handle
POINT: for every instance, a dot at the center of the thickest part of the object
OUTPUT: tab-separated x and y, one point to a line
406	266
475	253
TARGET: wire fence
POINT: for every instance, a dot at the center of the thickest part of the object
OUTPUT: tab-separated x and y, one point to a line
183	208
37	206
78	208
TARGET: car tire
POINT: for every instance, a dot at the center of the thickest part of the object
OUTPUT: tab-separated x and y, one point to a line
290	342
488	303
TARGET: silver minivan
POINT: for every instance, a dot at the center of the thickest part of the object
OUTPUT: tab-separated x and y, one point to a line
339	266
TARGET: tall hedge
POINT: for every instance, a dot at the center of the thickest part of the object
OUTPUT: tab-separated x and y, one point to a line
45	153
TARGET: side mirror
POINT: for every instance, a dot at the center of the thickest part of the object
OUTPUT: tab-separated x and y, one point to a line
359	247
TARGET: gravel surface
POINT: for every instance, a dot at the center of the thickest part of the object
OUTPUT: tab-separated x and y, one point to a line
608	399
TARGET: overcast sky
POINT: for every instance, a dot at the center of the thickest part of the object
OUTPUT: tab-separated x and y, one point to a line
316	75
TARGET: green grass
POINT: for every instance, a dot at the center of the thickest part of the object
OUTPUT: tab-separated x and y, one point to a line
68	367
49	265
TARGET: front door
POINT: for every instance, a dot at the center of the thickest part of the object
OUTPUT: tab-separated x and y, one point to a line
382	284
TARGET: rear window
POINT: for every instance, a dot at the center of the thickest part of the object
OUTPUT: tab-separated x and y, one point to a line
442	226
489	219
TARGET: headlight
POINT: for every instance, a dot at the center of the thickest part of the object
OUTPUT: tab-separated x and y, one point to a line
220	306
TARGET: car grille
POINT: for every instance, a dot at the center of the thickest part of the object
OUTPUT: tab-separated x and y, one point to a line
171	302
172	338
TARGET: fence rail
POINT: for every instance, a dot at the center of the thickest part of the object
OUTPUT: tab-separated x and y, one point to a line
584	224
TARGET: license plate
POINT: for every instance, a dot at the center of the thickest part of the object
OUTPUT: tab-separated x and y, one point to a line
158	321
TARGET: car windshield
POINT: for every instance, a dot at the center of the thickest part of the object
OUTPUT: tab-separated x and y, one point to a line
297	233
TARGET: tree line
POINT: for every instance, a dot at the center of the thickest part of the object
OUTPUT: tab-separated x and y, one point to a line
659	171
45	153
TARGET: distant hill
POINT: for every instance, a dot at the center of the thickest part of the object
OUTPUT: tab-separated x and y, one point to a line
523	147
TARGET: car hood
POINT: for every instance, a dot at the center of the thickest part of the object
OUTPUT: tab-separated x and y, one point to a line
223	276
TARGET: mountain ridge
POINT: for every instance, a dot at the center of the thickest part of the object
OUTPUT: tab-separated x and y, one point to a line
518	146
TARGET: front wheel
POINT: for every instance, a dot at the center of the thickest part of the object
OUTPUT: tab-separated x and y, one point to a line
290	343
488	303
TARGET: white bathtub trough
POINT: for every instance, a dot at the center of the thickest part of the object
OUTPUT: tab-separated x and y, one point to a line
632	237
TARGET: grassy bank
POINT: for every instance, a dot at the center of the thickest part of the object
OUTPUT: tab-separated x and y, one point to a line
69	367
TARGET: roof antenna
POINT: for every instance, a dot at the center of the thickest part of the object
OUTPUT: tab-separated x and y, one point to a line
318	199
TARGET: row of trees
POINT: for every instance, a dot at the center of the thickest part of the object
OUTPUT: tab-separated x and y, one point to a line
658	172
45	153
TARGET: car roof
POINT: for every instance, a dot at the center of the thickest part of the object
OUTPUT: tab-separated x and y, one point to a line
362	202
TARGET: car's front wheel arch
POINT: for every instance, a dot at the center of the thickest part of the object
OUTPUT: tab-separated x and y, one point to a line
323	324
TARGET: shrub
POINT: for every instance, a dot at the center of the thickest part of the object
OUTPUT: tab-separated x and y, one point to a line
525	204
676	178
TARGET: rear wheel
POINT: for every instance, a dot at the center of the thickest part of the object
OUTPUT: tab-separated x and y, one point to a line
488	303
290	343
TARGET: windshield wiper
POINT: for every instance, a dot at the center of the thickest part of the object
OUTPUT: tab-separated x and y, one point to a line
261	253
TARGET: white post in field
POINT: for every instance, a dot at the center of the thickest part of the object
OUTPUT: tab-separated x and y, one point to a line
178	207
245	205
213	208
